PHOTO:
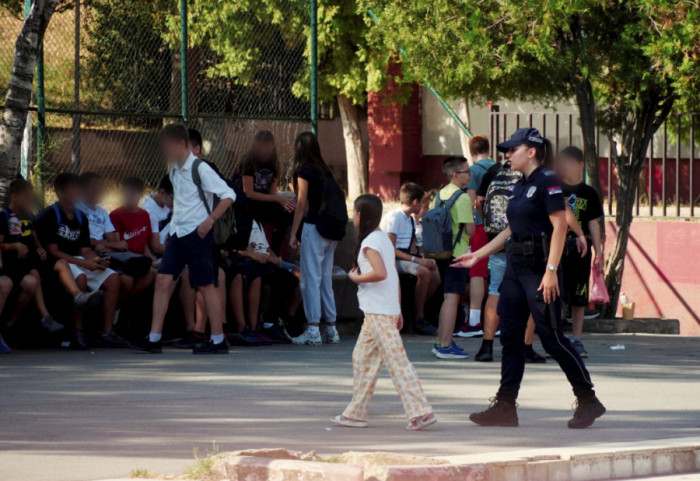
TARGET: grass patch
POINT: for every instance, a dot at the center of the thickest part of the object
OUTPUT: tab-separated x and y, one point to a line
141	473
202	465
330	459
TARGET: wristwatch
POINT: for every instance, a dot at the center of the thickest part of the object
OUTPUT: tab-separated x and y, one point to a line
551	267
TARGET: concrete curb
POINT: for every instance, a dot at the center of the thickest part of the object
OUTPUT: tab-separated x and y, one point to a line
638	326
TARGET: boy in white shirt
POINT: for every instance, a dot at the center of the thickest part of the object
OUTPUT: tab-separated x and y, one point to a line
400	226
103	237
191	240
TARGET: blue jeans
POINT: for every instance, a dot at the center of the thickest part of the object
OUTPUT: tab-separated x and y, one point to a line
317	275
497	266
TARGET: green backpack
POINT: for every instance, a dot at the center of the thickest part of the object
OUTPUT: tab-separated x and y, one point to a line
225	226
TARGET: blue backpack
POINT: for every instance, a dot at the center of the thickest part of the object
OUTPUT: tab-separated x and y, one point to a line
437	229
59	218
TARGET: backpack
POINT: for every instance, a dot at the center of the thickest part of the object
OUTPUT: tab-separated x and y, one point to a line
333	214
496	200
243	211
59	219
225	226
437	229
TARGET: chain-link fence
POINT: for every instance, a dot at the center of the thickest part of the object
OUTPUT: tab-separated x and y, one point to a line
113	76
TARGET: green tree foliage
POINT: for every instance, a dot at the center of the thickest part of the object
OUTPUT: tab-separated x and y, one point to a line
627	63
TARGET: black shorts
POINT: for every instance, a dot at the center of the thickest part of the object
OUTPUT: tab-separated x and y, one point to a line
237	265
195	253
454	279
576	273
18	270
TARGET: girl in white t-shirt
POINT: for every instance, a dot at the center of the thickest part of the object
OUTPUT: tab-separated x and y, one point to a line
380	340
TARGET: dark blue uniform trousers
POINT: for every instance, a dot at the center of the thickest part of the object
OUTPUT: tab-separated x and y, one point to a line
519	298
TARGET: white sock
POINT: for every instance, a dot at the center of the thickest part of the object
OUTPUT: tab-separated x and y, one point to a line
313	330
474	317
330	330
267	325
217	338
154	336
116	316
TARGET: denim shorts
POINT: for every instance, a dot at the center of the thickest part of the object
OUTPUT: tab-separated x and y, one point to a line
194	252
497	267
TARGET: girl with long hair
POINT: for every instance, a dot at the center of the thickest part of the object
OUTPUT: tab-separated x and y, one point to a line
380	339
316	260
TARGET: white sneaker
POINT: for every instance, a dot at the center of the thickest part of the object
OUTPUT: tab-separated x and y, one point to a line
334	339
307	338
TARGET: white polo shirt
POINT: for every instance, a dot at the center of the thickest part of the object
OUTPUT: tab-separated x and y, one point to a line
188	209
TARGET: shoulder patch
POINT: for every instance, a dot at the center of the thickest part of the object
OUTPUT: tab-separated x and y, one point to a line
554	190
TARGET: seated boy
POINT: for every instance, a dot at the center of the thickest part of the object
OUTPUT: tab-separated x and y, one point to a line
455	279
64	230
400	226
102	235
132	225
23	254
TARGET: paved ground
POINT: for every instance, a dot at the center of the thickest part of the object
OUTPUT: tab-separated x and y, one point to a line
81	416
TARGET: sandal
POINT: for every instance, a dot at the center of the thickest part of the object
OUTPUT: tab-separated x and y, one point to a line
341	420
416	424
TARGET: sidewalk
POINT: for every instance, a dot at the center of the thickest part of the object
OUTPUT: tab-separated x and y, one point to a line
81	416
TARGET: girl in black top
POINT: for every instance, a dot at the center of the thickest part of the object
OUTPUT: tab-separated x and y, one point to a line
534	241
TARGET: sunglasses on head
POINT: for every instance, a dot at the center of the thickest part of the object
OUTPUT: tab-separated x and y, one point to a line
467	171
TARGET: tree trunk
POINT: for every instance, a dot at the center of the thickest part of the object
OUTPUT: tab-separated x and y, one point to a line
463	112
356	152
19	90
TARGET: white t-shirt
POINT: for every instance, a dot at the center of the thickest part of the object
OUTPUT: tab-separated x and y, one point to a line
401	225
379	297
98	220
257	239
160	217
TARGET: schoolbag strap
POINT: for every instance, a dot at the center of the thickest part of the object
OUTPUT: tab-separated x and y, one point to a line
451	201
57	211
197	179
460	231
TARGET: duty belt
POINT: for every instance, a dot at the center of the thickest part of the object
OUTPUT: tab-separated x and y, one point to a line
527	248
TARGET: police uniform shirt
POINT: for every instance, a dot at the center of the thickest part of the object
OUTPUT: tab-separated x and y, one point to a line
534	199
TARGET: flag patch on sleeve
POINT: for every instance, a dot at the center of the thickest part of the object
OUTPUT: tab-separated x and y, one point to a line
554	190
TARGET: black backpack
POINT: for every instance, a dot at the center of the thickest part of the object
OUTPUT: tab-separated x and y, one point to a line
333	215
225	226
243	210
496	200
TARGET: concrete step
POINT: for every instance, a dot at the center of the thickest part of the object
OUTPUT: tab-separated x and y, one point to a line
640	326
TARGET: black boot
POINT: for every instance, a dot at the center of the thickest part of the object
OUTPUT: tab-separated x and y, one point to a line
531	357
501	412
588	409
485	354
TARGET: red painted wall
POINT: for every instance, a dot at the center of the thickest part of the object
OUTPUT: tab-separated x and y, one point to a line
662	270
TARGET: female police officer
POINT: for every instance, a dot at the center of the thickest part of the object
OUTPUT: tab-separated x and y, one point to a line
534	242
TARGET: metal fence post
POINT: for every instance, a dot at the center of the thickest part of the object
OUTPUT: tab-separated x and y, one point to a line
313	97
75	130
184	75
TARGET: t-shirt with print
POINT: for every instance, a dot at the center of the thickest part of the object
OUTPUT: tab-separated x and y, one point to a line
478	171
461	213
257	240
314	177
584	201
160	217
70	235
98	218
263	173
379	297
16	227
398	223
133	227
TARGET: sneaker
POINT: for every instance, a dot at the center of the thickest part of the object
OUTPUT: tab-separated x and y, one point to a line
425	328
264	340
87	300
147	346
78	343
452	352
307	338
190	340
332	339
588	409
50	324
210	348
244	338
470	331
591	314
578	345
4	348
498	333
499	413
276	335
485	353
532	357
111	340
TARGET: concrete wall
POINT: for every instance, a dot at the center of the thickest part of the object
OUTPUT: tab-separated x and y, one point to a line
661	270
